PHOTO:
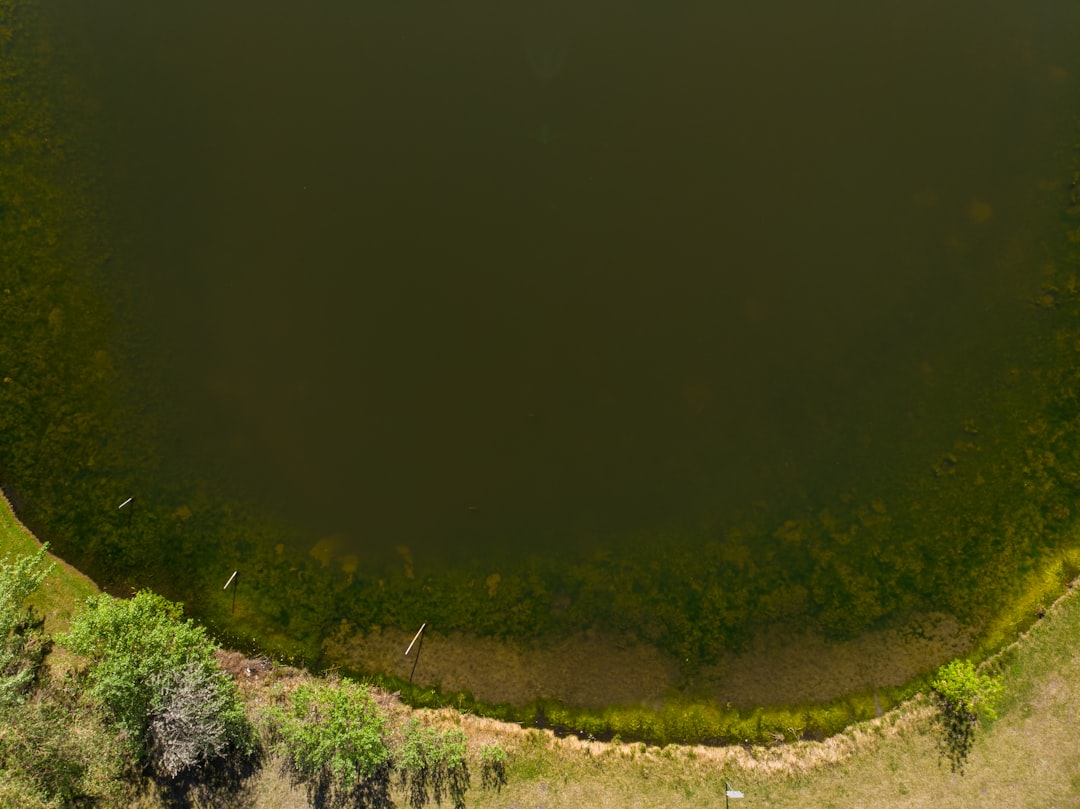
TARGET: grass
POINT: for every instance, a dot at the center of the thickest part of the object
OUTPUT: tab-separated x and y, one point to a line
63	592
1028	757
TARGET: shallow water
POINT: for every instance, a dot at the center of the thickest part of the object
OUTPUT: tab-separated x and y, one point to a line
508	278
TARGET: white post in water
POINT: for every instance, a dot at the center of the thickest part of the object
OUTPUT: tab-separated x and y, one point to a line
419	636
232	578
129	502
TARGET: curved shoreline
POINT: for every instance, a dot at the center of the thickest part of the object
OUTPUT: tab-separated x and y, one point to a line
594	672
571	771
790	705
62	593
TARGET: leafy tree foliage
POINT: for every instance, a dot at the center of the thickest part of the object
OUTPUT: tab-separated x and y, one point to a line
22	642
431	766
962	695
156	675
331	736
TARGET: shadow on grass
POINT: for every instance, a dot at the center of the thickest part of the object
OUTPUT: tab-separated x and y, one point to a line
224	784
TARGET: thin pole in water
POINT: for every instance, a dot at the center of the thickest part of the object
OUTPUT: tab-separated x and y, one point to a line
232	578
419	636
129	502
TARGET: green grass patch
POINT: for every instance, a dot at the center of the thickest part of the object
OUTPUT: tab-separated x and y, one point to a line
65	590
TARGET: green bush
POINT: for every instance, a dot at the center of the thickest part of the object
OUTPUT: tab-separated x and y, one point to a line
158	678
432	765
493	766
962	696
331	736
22	642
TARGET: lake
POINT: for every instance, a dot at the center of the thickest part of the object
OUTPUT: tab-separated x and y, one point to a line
494	281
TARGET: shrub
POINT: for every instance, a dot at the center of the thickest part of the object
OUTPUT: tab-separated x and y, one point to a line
22	642
493	766
330	736
962	695
431	765
157	677
194	721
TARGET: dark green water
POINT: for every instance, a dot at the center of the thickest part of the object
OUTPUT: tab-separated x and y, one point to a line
650	309
495	274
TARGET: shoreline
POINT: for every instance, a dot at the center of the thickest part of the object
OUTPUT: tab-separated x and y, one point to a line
595	673
876	762
766	741
63	593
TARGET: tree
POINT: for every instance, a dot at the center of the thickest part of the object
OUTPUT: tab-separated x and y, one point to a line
22	642
962	696
157	676
331	737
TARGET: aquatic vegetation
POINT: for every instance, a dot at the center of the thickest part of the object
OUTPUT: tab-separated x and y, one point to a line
325	549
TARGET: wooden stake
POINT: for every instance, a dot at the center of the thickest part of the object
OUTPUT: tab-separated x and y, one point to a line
419	636
129	502
232	578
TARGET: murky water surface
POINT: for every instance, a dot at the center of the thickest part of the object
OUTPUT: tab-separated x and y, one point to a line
542	276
